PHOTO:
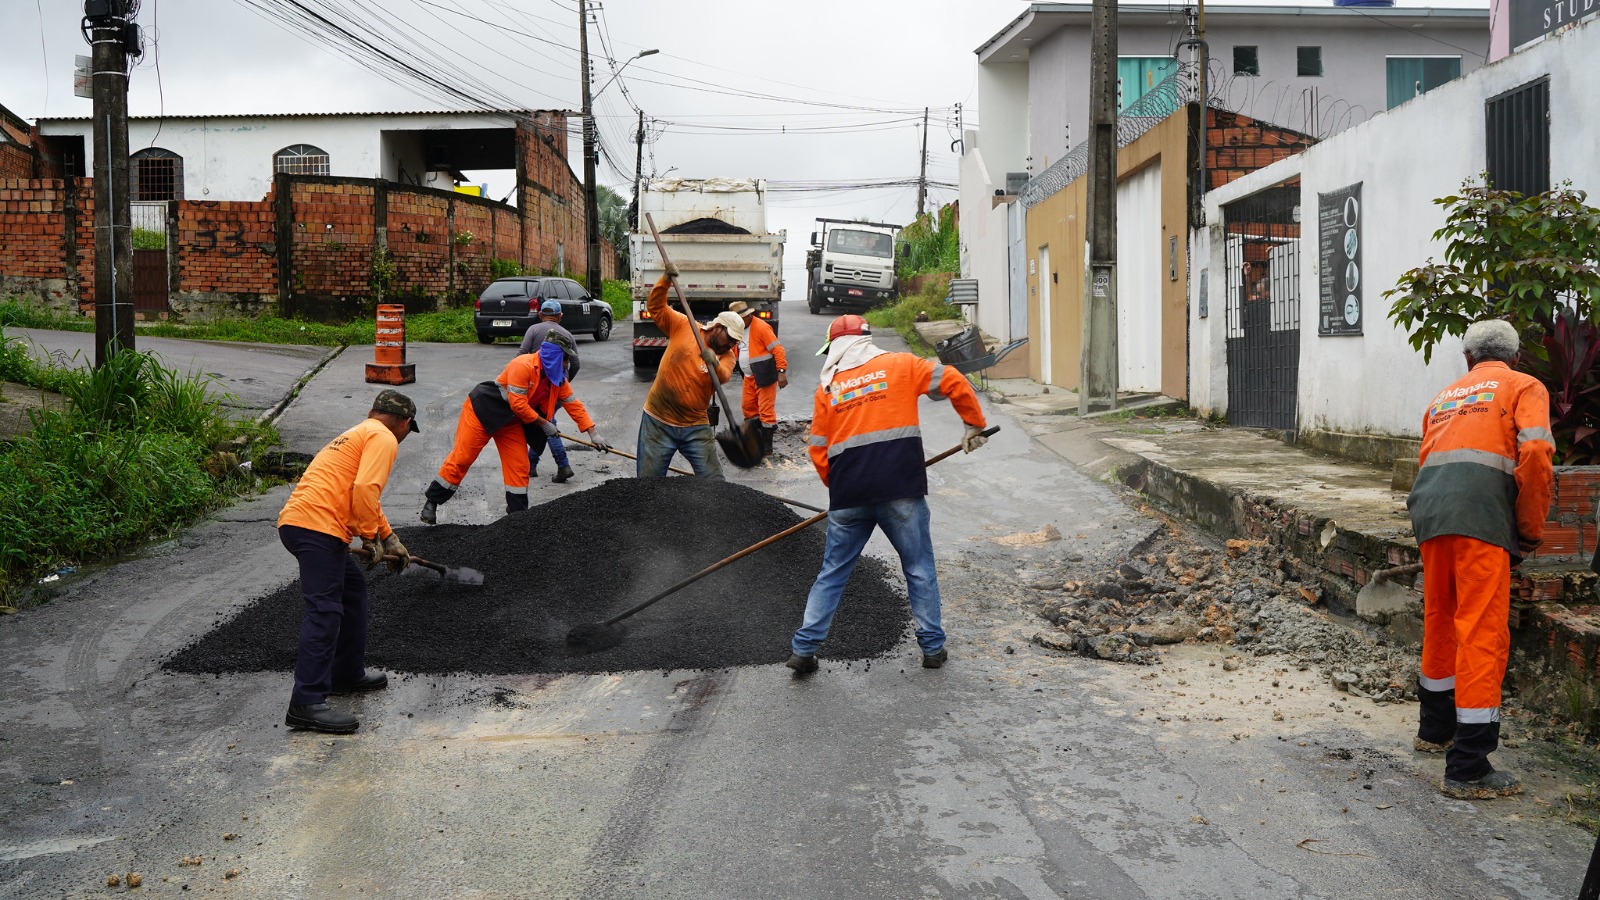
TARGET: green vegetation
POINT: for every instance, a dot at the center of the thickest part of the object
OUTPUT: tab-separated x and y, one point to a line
149	239
453	326
138	452
903	316
619	297
1532	262
935	243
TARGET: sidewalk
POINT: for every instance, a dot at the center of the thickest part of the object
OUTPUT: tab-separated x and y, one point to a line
1336	520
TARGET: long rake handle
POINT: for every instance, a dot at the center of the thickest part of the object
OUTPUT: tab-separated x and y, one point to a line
628	455
694	326
754	547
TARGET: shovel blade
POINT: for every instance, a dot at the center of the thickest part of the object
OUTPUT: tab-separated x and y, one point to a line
742	446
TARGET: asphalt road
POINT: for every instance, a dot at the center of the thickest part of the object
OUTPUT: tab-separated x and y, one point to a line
1011	772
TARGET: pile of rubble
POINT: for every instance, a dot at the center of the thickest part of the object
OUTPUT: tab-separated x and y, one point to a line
1172	589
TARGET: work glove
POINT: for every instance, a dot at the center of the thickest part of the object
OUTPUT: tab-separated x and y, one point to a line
671	270
393	547
973	439
710	358
372	549
547	427
598	441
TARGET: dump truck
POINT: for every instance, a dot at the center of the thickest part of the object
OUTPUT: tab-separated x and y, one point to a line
715	232
851	265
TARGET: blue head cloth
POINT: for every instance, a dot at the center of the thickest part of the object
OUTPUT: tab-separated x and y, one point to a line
553	362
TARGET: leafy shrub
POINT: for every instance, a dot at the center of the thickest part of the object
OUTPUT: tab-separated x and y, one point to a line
935	243
619	296
149	239
1532	262
902	316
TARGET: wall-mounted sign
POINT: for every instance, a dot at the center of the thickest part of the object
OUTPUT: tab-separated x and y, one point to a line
1339	245
1533	19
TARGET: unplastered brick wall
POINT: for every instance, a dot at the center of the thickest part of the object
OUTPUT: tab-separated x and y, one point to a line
332	238
420	242
507	234
227	247
1237	144
46	240
475	224
15	161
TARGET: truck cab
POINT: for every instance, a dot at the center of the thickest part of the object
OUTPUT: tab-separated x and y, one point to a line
851	265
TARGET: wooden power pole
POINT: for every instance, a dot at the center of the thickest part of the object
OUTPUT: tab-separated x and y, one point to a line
591	205
110	34
1097	383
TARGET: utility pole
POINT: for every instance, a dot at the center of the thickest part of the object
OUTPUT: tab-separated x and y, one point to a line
111	35
922	178
1098	377
638	171
591	205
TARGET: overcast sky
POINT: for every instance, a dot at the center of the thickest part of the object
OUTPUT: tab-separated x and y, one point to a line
891	58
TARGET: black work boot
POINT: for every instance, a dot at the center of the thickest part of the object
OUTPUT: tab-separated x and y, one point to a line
1467	759
767	434
516	502
321	717
1437	720
431	498
802	665
562	474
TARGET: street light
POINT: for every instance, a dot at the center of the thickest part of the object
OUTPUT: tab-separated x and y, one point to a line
591	212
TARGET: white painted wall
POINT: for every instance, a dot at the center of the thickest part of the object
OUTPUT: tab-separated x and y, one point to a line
230	158
1003	107
983	242
1405	158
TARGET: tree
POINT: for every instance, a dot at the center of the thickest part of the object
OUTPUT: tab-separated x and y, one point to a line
1530	261
614	221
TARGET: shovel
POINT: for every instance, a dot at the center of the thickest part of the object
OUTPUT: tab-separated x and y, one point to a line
1386	591
592	637
742	445
421	568
625	454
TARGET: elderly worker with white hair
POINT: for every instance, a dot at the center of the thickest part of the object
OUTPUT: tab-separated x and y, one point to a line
1481	497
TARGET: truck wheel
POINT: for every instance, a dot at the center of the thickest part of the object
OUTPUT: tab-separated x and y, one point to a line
814	303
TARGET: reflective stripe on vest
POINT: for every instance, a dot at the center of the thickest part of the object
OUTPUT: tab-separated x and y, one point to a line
874	437
1481	716
1467	455
1535	434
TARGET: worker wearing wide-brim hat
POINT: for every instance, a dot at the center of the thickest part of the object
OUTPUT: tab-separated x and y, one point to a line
336	500
674	419
766	370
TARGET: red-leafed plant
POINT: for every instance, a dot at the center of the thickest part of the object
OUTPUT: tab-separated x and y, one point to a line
1535	262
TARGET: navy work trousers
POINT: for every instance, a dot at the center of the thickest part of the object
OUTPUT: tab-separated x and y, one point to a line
333	630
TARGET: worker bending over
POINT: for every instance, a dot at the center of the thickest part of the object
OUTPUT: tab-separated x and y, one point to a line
336	500
766	370
515	412
674	419
1481	497
866	445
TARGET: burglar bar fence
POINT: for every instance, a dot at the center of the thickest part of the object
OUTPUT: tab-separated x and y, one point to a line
1262	247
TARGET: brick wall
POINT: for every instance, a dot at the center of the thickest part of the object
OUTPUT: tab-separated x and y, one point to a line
15	161
420	242
226	252
46	240
332	232
472	256
1237	145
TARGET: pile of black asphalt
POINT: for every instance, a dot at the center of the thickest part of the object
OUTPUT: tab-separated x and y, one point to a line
705	226
583	558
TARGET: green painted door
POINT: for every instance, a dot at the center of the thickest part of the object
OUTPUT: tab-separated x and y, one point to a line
1137	75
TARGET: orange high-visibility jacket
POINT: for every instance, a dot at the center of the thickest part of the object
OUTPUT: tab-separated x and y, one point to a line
338	494
1485	466
521	392
866	437
763	344
682	389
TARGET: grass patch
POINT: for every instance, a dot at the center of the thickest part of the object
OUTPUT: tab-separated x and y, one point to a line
619	296
903	316
140	451
449	326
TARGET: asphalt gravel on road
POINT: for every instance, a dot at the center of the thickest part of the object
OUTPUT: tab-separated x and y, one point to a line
583	558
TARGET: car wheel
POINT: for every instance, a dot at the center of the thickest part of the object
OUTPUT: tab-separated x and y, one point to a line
602	328
485	338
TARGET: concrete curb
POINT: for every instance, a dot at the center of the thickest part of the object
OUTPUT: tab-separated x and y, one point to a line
271	414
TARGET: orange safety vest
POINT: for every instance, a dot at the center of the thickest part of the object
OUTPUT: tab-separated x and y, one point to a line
1485	466
766	354
521	392
866	436
681	392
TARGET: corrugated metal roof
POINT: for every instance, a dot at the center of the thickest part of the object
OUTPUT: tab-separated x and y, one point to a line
329	115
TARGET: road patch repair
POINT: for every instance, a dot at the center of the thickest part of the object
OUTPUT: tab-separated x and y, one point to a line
579	558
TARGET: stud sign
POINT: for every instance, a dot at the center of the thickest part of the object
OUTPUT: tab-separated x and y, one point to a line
1339	245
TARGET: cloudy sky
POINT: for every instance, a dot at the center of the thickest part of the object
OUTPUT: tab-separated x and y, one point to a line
821	90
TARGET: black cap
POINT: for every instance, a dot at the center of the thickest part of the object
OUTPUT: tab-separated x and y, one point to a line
397	404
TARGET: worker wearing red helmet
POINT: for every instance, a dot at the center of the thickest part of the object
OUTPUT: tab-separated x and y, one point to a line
866	445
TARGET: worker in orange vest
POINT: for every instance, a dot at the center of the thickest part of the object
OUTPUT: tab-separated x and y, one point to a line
515	411
766	370
675	418
1480	501
338	499
866	445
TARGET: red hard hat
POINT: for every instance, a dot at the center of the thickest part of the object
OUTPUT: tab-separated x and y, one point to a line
848	325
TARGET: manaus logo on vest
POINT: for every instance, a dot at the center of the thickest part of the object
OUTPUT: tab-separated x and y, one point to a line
859	386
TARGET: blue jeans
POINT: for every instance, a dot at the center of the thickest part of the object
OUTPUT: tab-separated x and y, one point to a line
536	444
905	524
658	441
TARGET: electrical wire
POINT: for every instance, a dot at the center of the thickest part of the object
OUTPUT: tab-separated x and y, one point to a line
44	56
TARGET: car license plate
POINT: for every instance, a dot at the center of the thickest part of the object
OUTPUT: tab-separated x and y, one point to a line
853	292
501	323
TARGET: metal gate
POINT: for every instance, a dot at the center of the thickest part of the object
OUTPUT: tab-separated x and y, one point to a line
1263	306
150	282
1517	128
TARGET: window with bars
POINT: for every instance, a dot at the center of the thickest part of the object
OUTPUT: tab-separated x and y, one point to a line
155	174
1517	125
301	159
1246	60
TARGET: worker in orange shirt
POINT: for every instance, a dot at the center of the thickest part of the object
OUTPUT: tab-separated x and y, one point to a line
338	499
516	411
1480	501
866	445
674	419
766	370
